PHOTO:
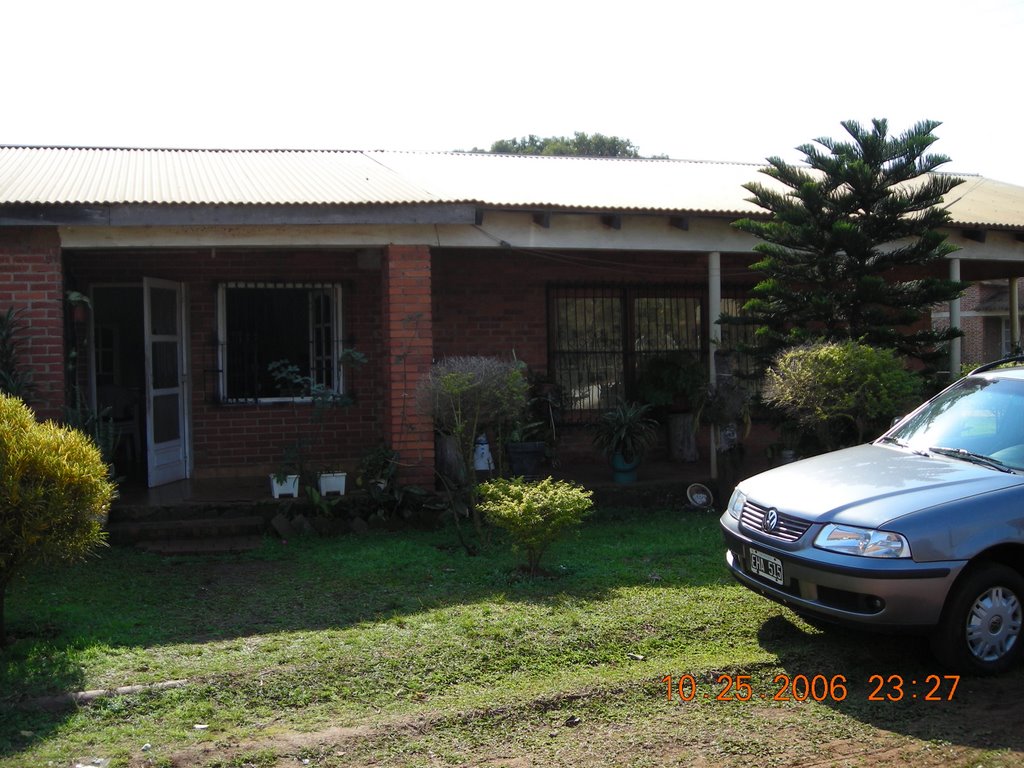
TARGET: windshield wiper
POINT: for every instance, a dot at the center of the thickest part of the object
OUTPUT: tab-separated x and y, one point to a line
974	458
893	440
902	444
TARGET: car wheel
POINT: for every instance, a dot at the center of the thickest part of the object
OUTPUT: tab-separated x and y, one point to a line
980	629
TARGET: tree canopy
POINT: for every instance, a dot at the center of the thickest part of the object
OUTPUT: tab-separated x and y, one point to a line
852	248
580	144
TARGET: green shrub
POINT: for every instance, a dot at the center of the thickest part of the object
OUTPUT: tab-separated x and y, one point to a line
843	391
54	493
533	514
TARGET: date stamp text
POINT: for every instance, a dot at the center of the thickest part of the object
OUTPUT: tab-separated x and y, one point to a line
785	687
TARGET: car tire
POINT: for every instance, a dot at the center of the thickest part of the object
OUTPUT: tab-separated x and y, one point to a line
980	628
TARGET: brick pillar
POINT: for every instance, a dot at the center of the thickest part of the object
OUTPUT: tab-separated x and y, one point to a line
32	281
409	348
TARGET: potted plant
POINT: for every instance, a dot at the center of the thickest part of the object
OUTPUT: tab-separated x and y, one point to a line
295	471
377	467
624	434
525	455
331	482
532	432
675	385
284	483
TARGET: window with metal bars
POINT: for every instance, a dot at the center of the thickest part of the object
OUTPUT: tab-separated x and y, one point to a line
601	336
738	339
260	323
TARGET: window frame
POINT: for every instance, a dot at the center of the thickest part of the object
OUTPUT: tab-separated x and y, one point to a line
333	289
627	295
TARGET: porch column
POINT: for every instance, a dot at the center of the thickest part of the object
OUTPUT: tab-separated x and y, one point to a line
33	285
1014	316
954	322
408	352
714	340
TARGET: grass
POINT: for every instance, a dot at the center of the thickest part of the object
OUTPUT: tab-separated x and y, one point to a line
399	648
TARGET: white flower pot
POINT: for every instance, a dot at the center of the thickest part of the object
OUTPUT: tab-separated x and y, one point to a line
331	482
288	487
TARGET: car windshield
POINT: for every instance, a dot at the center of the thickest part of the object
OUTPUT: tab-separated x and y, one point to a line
977	419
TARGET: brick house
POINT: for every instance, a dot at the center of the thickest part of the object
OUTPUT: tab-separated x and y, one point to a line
986	321
204	266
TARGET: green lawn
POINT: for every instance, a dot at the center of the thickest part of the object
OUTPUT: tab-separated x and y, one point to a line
399	648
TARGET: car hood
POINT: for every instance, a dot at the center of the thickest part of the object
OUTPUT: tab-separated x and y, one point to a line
870	485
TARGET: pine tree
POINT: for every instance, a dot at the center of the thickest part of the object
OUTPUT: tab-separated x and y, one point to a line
852	247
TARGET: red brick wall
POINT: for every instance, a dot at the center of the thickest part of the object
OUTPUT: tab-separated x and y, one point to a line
31	281
493	302
237	439
409	345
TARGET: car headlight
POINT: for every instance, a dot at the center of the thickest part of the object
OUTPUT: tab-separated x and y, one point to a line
736	502
863	542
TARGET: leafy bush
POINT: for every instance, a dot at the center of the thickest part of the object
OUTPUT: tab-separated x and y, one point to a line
533	514
54	493
468	395
842	391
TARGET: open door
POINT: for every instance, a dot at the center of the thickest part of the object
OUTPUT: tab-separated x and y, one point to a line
166	381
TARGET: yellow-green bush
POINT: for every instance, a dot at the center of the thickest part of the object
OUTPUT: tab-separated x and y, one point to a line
54	492
533	514
843	391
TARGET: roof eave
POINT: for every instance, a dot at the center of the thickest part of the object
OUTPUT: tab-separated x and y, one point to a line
160	214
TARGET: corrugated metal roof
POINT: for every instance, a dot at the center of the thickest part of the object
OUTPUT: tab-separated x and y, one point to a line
982	202
580	183
63	175
161	176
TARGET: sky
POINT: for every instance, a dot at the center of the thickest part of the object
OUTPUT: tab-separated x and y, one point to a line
721	80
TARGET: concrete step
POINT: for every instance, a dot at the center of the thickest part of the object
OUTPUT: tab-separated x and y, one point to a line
200	529
141	513
222	545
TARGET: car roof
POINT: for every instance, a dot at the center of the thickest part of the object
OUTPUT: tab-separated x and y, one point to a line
1016	372
1013	363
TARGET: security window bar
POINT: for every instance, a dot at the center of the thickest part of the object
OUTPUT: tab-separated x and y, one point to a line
600	338
738	339
261	323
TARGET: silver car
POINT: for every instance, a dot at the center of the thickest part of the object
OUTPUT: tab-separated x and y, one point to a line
921	530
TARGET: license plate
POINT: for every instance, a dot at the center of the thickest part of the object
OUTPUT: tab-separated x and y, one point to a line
765	565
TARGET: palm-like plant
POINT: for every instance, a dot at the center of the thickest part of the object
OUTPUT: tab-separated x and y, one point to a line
626	429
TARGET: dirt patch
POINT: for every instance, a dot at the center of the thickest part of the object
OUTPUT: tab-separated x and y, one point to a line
979	727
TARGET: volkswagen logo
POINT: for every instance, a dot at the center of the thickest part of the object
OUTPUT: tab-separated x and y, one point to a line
771	520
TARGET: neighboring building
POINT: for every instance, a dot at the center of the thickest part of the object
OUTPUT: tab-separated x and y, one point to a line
986	321
204	266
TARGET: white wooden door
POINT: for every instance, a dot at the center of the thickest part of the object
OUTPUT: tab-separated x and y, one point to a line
166	381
